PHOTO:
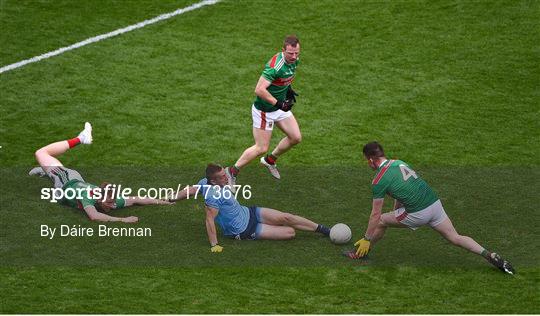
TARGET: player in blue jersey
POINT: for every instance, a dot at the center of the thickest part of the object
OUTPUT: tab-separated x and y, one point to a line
241	222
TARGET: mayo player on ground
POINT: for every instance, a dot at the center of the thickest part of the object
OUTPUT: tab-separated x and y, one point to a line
69	179
275	98
415	205
238	221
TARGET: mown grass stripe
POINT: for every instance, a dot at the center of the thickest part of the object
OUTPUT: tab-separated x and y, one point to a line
101	37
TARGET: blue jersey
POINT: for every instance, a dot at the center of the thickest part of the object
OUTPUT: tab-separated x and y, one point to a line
232	217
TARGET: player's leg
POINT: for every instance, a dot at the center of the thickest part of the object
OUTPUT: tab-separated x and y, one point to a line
293	136
262	141
262	133
387	220
46	156
277	218
447	230
290	127
273	232
441	223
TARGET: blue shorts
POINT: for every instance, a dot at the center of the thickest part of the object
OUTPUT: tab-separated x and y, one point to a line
253	229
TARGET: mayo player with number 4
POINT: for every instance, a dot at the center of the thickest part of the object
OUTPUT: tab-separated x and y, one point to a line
238	221
415	205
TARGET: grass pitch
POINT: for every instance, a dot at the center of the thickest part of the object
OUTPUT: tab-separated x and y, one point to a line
450	87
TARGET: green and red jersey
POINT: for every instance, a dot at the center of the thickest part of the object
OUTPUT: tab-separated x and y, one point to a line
86	196
281	75
398	180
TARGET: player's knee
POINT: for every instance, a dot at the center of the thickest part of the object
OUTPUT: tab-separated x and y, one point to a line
454	239
39	153
290	233
383	221
295	139
261	149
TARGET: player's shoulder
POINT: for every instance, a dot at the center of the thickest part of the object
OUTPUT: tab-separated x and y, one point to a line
394	164
209	191
203	181
384	172
203	186
276	62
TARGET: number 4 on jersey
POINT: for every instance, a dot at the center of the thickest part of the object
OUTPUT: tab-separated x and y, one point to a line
407	172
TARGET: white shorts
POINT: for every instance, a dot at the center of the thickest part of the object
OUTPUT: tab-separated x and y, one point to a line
61	175
432	215
265	120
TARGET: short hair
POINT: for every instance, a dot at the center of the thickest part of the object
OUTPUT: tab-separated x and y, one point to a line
211	170
290	40
373	150
110	193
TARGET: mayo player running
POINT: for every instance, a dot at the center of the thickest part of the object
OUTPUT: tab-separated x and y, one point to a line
415	205
69	179
272	106
238	221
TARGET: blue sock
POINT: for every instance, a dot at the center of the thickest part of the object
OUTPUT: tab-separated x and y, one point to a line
323	229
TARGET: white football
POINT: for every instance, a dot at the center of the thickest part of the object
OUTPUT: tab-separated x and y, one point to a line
340	234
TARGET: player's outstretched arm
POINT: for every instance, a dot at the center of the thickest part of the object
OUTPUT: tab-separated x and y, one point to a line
211	214
135	200
364	244
189	191
375	217
94	215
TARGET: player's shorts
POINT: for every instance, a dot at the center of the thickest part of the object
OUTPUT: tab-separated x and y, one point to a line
432	215
254	227
62	175
265	120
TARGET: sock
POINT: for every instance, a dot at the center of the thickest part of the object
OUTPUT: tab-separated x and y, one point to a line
271	159
234	170
323	230
73	142
486	254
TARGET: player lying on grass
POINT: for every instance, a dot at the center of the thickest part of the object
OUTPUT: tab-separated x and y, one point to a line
66	178
238	221
415	205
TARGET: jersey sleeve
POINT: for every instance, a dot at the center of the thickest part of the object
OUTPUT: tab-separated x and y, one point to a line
119	203
379	190
269	73
86	200
211	197
208	193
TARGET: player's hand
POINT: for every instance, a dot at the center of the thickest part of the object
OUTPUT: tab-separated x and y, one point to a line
164	202
284	105
291	94
130	219
363	247
216	248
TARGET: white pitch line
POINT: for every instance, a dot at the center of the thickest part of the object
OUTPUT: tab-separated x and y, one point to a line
101	37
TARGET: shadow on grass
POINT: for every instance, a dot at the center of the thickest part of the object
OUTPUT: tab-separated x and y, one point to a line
489	204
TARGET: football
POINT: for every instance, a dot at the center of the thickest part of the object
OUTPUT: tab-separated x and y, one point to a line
340	234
